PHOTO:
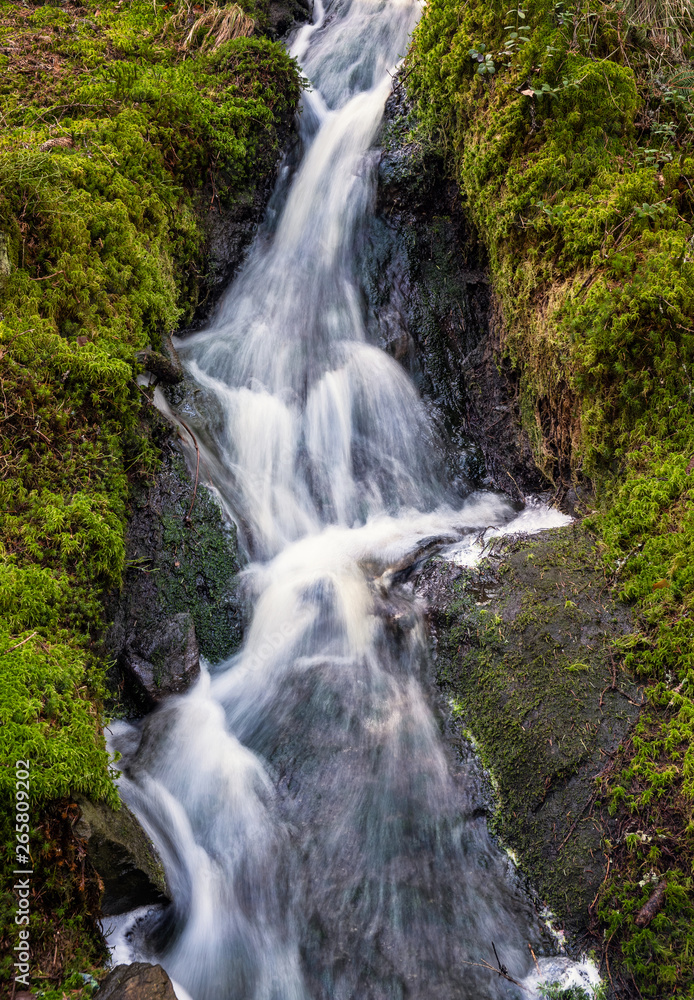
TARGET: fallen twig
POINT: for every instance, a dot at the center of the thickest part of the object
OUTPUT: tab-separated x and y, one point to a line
573	826
18	644
501	970
480	538
47	276
607	872
490	968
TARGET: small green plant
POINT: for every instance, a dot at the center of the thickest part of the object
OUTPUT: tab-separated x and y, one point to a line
646	211
484	59
560	12
651	157
554	213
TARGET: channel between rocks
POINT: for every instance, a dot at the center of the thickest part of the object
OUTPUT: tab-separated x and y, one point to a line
363	702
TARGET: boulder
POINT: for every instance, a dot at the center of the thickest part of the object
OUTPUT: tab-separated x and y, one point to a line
181	567
523	645
165	659
123	856
139	981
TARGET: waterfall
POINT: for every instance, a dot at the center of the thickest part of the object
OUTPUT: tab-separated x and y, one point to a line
319	838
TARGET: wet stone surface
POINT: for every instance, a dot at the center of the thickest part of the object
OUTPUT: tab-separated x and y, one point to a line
432	307
522	652
124	858
139	981
179	596
164	659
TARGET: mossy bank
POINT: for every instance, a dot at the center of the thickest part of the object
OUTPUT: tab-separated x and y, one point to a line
126	127
569	130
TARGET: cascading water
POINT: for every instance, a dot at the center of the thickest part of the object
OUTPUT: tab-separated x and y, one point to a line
319	841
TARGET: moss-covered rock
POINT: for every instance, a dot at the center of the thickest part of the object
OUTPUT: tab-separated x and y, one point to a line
182	562
570	131
523	650
119	850
124	126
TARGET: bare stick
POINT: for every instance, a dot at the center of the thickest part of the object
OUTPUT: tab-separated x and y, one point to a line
490	968
575	822
607	872
47	276
18	644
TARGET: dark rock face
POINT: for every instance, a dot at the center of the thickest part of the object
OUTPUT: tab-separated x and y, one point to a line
230	229
166	369
179	596
426	274
164	659
522	647
122	855
287	14
139	981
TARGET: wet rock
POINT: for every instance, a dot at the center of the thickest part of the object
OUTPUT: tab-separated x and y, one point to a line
139	981
522	646
179	596
230	229
284	15
166	369
164	660
427	284
123	856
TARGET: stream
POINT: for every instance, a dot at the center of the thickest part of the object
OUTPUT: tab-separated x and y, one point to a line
319	837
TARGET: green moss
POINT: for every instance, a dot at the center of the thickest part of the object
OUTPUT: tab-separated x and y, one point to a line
115	141
565	206
575	160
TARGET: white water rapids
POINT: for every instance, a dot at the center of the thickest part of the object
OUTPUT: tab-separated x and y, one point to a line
319	839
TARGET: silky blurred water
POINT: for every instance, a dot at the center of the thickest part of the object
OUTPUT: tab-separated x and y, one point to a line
319	839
